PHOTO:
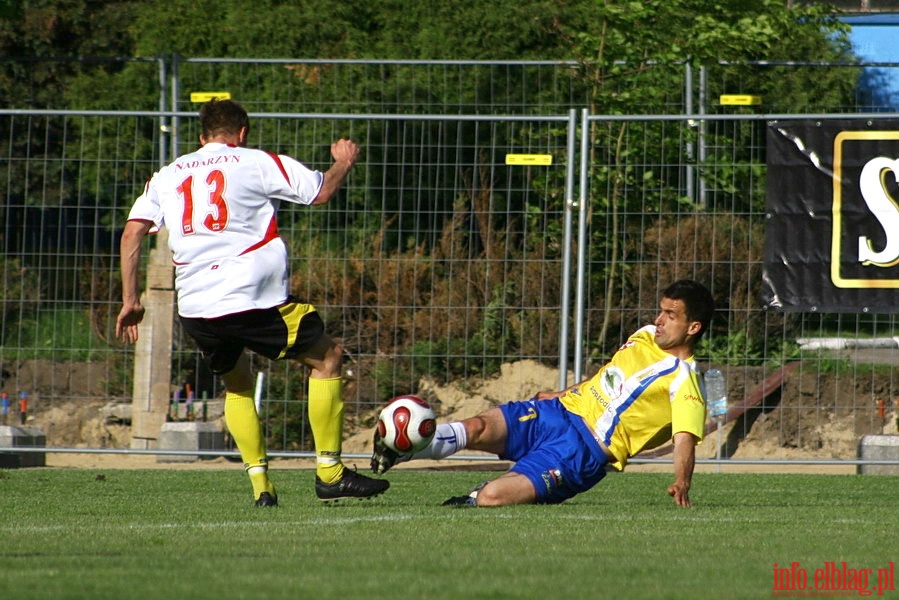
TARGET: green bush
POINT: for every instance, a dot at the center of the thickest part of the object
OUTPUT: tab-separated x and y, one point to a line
64	333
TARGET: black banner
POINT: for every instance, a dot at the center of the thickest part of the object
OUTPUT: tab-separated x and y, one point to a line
832	227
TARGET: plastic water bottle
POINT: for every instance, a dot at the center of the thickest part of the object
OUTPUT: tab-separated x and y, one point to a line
716	393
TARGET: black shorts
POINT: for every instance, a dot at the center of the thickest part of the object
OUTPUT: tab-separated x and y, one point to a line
284	331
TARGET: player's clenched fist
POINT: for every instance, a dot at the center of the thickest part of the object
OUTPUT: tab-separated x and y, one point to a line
345	150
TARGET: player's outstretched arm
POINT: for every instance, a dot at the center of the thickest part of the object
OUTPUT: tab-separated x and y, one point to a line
344	152
684	462
132	312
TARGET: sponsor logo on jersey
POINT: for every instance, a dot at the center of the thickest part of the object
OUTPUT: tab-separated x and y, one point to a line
552	479
693	398
612	382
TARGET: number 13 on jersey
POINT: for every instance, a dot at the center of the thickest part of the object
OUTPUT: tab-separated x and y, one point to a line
216	217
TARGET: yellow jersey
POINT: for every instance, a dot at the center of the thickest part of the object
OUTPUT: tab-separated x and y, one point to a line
640	399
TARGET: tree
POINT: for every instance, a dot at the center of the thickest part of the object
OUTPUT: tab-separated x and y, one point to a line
630	59
633	55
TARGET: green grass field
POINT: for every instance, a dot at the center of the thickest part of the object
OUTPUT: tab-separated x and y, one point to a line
181	534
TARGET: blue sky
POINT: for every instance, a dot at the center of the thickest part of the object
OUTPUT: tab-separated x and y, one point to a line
874	39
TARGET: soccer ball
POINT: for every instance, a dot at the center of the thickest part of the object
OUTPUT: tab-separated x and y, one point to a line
407	424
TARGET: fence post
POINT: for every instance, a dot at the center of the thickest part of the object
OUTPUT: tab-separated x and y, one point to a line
565	312
153	351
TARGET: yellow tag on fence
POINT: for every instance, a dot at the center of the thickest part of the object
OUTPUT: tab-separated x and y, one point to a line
740	99
529	159
207	96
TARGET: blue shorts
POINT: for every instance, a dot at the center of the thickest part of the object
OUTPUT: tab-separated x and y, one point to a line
553	448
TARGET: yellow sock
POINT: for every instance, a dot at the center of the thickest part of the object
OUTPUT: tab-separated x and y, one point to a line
326	422
260	481
243	424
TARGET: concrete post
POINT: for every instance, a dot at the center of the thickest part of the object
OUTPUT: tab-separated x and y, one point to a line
153	351
878	447
22	436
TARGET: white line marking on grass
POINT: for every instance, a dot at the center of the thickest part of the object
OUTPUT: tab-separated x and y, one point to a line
208	525
352	520
38	529
698	517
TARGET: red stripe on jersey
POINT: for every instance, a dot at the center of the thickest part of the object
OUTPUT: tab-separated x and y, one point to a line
278	162
270	234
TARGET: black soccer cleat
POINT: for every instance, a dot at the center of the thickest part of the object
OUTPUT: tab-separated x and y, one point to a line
350	485
382	457
470	500
460	501
266	499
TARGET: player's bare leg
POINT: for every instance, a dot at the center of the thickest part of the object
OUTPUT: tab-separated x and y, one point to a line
507	489
487	432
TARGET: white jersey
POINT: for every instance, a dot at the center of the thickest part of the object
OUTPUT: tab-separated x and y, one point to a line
219	205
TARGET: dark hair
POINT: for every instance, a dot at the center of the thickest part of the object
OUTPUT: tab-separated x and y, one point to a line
222	116
698	300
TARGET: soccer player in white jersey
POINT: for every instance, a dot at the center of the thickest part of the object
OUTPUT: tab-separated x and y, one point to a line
219	205
561	442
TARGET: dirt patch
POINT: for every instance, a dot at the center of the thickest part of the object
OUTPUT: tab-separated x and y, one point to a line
82	425
814	414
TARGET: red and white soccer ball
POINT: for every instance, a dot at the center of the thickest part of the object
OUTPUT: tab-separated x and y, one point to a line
407	424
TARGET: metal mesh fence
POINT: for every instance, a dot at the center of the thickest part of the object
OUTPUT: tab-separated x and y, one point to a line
440	265
387	87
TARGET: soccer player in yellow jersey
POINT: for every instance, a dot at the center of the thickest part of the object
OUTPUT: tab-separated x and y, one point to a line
561	442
